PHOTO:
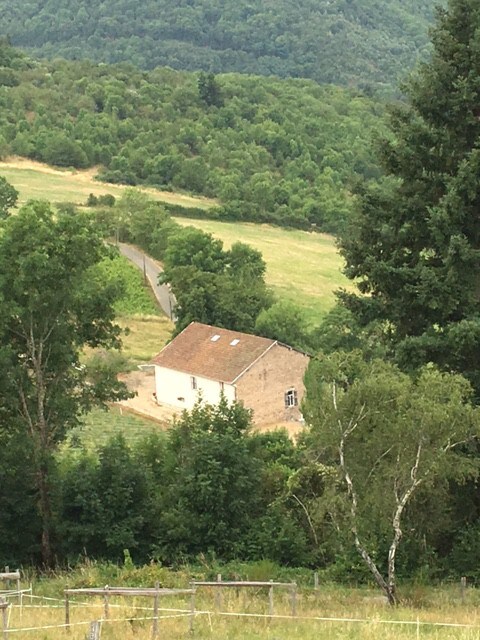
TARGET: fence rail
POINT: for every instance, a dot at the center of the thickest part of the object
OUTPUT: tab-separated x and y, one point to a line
156	593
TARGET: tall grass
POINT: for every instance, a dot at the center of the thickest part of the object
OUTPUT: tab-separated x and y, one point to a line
332	612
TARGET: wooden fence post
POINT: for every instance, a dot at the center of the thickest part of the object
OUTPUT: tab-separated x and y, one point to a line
270	599
463	588
94	632
294	599
67	611
155	612
18	587
105	603
192	608
218	594
315	581
4	617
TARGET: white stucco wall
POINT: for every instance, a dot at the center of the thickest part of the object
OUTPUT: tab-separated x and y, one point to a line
171	386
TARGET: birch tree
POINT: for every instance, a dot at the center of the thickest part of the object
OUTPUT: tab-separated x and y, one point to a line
388	435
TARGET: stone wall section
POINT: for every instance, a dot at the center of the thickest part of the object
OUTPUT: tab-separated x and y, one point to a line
264	385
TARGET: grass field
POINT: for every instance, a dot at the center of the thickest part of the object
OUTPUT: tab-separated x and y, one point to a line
145	337
302	267
99	426
332	613
36	180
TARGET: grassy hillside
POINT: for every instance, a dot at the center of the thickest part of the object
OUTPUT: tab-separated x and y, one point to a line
301	266
335	41
36	180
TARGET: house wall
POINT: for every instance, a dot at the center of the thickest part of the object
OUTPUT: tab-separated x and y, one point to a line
171	386
263	387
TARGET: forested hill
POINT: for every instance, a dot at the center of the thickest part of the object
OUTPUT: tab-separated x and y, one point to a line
283	151
357	42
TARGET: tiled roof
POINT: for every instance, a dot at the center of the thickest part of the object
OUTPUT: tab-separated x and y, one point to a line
199	352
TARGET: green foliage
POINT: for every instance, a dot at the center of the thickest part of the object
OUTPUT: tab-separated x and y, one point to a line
213	492
209	90
285	152
8	197
285	322
362	42
136	296
391	442
213	286
103	502
20	525
103	200
413	247
54	303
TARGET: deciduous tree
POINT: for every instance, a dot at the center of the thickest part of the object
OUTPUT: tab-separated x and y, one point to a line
389	436
54	303
8	197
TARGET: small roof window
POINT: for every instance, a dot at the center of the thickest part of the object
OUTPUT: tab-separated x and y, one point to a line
234	343
215	338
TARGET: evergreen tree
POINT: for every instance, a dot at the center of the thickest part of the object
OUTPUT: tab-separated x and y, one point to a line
209	90
414	246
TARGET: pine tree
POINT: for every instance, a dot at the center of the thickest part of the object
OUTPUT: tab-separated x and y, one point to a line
414	247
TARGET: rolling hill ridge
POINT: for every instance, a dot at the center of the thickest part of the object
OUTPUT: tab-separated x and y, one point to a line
359	42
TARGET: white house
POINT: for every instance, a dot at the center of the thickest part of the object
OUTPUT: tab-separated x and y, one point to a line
265	375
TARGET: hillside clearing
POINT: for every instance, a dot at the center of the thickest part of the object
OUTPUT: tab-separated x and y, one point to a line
36	180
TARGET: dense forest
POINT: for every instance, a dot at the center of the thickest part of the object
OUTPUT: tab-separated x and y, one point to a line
283	151
366	42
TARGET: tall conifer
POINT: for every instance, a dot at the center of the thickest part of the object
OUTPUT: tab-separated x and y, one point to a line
415	244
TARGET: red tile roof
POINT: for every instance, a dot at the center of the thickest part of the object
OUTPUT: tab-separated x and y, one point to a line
193	351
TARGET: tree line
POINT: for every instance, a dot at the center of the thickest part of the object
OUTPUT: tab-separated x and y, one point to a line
286	152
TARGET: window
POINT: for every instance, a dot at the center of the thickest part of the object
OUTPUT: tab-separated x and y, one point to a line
291	398
215	338
234	343
222	387
193	382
